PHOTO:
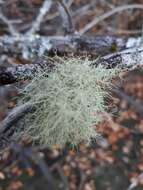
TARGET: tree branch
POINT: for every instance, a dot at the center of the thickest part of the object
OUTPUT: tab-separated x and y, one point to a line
66	18
16	114
18	72
106	15
11	28
43	10
138	106
28	46
130	58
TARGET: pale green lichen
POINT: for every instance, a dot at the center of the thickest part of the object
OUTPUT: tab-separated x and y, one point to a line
67	102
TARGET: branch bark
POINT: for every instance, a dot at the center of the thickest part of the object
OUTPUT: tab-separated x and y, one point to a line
18	72
130	58
28	46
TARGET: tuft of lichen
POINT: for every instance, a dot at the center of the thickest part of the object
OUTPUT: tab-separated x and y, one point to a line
68	101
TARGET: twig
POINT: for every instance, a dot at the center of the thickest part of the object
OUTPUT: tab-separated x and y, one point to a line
16	114
83	10
66	18
43	10
51	16
106	15
25	155
121	31
11	28
82	180
45	170
135	104
63	177
136	182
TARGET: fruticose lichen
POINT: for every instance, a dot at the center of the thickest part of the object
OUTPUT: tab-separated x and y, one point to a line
68	101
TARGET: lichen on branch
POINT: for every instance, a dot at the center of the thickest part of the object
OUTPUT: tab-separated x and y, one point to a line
68	101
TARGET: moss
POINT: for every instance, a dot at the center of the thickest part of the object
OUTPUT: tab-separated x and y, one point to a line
68	101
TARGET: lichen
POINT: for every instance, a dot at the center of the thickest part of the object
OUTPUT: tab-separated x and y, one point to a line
68	101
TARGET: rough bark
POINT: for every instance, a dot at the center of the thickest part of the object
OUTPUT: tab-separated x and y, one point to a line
18	72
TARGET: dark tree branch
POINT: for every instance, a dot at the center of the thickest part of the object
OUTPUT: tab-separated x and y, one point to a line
19	72
13	117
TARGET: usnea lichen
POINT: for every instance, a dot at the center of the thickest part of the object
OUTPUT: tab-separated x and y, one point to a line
67	102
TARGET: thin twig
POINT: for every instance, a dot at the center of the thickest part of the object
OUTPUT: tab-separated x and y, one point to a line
16	114
66	18
122	31
45	170
135	104
84	9
43	10
106	15
52	16
27	155
63	177
11	28
82	181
